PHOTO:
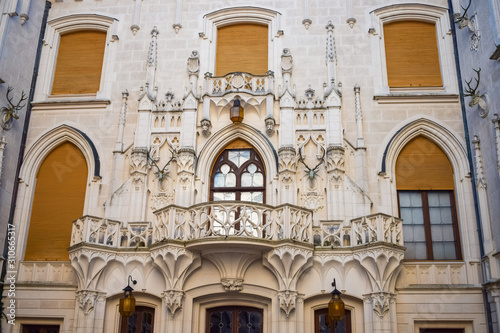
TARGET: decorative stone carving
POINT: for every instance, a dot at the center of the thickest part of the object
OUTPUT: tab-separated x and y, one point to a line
87	300
288	263
380	302
173	300
270	122
185	160
480	179
496	123
161	200
206	125
313	201
335	164
138	163
176	264
287	159
232	284
287	300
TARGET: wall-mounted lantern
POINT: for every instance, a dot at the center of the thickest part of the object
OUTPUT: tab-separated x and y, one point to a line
127	302
236	112
336	308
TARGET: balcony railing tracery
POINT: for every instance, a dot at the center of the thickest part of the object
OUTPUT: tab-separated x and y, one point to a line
239	82
236	219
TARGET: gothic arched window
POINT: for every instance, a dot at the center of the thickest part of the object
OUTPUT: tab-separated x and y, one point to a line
238	174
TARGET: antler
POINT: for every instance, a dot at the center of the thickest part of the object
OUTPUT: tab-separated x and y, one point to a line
473	91
463	17
161	172
312	171
15	106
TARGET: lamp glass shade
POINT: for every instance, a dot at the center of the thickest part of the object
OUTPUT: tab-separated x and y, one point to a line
336	308
127	305
236	112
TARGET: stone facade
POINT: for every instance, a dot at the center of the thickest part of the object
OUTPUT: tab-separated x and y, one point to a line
478	33
328	130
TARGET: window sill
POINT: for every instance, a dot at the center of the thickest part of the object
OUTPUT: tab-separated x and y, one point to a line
416	97
72	102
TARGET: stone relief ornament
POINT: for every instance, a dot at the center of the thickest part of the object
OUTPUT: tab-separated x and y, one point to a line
206	125
173	300
232	284
287	300
87	300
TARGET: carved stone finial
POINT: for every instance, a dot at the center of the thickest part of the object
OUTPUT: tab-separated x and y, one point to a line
177	27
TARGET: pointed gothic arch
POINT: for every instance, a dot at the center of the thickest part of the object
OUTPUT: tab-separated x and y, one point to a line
218	141
34	159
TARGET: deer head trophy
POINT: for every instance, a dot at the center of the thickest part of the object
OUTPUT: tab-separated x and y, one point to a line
312	172
11	112
475	95
463	20
161	173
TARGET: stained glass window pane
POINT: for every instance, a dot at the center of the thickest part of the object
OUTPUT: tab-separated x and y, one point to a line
239	157
221	321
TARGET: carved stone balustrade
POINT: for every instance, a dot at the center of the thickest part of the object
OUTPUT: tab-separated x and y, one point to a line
52	272
99	231
233	218
239	82
364	230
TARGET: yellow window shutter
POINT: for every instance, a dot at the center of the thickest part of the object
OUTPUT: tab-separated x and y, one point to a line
242	48
412	55
79	63
422	165
58	201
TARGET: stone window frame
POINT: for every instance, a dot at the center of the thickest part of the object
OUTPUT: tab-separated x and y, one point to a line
414	12
239	15
66	24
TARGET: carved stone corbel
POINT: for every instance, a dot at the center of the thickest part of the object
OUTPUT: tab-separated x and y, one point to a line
173	300
232	284
380	302
270	122
87	300
206	125
288	299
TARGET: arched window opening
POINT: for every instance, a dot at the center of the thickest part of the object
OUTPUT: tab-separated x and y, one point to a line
234	319
238	174
58	201
322	326
424	180
142	321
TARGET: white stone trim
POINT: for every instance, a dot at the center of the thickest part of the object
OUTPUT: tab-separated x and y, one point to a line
415	12
448	141
32	162
218	141
65	24
238	15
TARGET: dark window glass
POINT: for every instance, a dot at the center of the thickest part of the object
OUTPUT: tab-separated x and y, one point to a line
430	226
234	320
140	322
40	328
322	326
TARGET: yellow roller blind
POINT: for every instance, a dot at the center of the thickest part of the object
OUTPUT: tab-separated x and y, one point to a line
412	54
79	63
242	48
422	165
59	198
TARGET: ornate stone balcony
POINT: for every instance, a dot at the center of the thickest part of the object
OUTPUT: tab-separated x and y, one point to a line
239	82
94	230
238	220
364	230
233	218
